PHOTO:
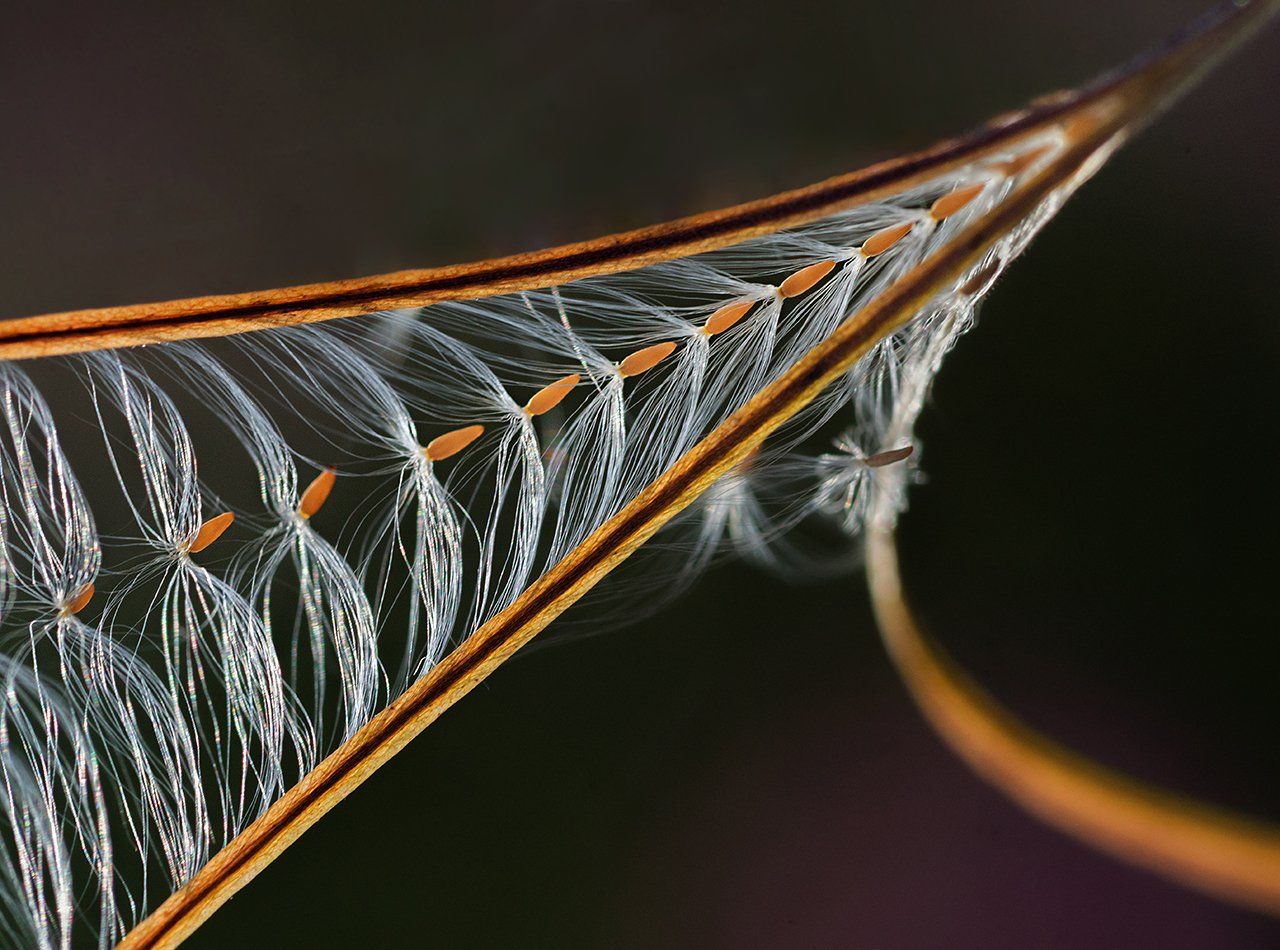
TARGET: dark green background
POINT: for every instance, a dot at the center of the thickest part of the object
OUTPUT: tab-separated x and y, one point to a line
1096	540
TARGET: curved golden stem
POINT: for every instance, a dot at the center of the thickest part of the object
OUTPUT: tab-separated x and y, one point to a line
1195	844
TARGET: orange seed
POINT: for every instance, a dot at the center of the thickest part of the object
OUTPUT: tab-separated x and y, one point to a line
805	278
881	459
548	397
210	531
643	360
726	317
948	205
451	443
316	494
884	239
80	601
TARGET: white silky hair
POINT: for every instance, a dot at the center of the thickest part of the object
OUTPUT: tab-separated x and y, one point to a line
140	733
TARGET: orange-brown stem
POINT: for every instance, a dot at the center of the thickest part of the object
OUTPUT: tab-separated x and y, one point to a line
1197	845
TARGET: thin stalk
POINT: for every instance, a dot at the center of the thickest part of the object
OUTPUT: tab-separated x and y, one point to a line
1203	847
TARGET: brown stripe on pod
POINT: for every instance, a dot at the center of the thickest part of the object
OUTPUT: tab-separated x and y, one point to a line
886	238
726	317
210	531
641	361
805	278
317	493
888	457
451	443
948	205
550	396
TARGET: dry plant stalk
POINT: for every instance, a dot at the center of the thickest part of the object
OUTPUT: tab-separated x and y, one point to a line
1200	846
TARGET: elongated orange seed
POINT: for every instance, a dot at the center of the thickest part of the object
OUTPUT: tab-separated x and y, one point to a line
805	278
548	397
726	317
948	205
644	360
888	457
80	601
316	494
886	238
210	531
451	443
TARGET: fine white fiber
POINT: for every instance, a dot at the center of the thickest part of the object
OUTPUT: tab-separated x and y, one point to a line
188	636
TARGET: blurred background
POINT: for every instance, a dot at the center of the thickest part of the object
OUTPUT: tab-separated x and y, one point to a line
1094	542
